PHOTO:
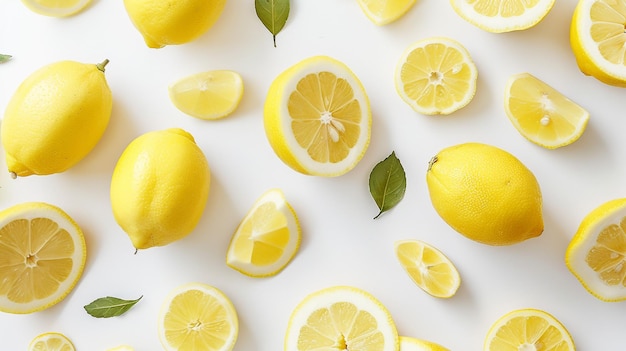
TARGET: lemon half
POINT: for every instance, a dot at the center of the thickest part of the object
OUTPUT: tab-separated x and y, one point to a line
382	12
56	8
413	344
51	342
498	16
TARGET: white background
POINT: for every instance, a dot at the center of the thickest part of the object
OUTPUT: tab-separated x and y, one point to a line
342	244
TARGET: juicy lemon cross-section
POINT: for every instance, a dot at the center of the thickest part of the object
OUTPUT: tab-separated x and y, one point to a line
382	12
408	343
498	16
51	342
56	8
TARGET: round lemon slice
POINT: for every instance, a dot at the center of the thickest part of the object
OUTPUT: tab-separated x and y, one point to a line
528	329
317	117
498	16
436	76
42	256
413	344
197	316
56	8
382	12
542	114
267	238
208	95
341	318
51	342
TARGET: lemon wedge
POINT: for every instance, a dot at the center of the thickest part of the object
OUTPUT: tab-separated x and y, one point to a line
122	348
498	16
56	8
413	344
382	12
51	342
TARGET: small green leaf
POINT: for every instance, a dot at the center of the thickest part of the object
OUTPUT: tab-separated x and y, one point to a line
273	14
106	307
387	183
4	58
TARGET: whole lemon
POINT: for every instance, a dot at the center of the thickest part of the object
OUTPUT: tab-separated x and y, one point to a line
159	188
56	117
172	22
485	193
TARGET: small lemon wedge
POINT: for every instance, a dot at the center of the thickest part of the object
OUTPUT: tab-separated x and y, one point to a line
413	344
498	16
56	8
51	342
382	12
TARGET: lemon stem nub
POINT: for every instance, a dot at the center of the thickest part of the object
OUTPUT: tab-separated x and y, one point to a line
102	64
13	175
432	162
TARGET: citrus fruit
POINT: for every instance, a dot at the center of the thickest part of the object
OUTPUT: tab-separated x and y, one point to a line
485	193
122	348
428	267
168	22
48	111
542	114
159	188
56	8
197	316
528	329
597	40
42	256
596	254
498	16
436	76
317	117
341	318
413	344
208	95
267	238
51	342
382	12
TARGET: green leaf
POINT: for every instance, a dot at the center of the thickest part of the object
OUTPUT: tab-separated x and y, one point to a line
387	183
4	58
273	14
106	307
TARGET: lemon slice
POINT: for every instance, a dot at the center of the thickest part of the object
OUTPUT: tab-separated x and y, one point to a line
122	348
317	117
498	16
383	12
42	256
267	238
51	342
56	8
413	344
341	318
528	329
436	76
197	316
208	95
597	39
428	267
542	114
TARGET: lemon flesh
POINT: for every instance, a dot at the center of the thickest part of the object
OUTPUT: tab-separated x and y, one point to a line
317	117
413	344
56	8
541	114
382	12
498	16
436	76
51	342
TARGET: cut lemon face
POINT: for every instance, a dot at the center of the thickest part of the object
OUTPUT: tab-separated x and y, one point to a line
428	267
498	16
197	316
56	8
42	256
436	76
208	95
51	342
317	117
341	318
382	12
413	344
267	238
528	329
597	39
596	255
542	114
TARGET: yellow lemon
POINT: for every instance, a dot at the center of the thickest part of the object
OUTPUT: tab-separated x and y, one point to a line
317	117
51	342
499	16
382	12
122	348
56	117
173	22
56	8
485	193
413	344
160	187
42	256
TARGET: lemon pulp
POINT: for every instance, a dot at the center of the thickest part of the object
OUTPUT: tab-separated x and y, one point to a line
499	16
382	12
51	342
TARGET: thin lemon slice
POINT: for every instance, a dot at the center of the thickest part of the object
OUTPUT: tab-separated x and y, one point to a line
122	348
596	255
528	329
383	12
51	342
197	316
341	318
436	76
267	238
542	114
42	256
317	117
413	344
56	8
498	16
428	267
208	95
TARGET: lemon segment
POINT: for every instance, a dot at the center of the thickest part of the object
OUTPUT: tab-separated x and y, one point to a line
541	114
51	342
267	238
528	329
413	344
341	318
197	316
208	95
382	12
56	8
317	117
498	16
428	267
436	76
